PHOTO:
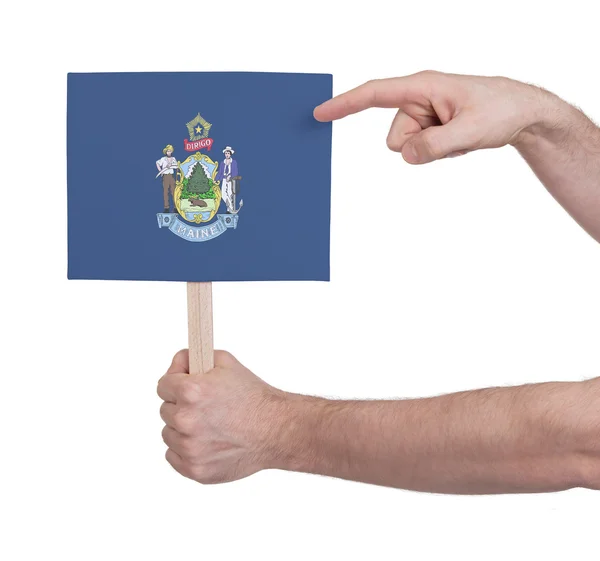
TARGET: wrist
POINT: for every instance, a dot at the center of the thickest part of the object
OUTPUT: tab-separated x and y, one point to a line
294	440
549	119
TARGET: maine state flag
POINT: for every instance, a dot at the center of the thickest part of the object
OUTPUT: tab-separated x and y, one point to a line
198	176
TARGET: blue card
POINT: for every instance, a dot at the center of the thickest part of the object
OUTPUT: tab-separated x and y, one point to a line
200	176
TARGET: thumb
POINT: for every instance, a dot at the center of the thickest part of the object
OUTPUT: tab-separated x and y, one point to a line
438	142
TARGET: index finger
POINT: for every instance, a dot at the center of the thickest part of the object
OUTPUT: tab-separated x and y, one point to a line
169	387
180	366
180	363
386	92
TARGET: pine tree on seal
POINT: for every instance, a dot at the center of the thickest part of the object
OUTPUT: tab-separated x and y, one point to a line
198	182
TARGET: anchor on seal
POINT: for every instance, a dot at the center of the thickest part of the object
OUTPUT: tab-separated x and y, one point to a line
236	185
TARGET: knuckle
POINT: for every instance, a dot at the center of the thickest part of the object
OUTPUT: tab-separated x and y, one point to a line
368	92
188	447
182	421
164	411
189	391
179	464
225	359
187	470
223	356
165	435
194	456
181	354
197	473
173	458
205	476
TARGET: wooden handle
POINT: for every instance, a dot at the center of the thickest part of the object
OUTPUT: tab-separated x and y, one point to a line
200	327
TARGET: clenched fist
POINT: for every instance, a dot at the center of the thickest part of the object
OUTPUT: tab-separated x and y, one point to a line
220	426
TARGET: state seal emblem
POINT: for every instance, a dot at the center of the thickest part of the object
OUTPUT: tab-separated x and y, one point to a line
195	189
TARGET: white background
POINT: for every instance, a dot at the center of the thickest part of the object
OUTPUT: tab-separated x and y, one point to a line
473	277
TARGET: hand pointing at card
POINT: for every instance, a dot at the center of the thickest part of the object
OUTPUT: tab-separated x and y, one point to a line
441	115
476	112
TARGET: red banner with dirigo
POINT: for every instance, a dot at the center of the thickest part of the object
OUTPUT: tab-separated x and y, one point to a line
193	145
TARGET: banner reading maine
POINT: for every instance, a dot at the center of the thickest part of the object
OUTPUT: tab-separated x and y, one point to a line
197	233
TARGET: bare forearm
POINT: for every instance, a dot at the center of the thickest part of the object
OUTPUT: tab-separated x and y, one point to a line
501	440
563	149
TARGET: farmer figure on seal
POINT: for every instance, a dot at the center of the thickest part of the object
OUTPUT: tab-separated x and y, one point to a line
166	167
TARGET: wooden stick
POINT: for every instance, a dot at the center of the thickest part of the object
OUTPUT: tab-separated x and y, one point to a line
200	327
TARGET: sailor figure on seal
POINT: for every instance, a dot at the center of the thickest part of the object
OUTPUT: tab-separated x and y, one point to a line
226	173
